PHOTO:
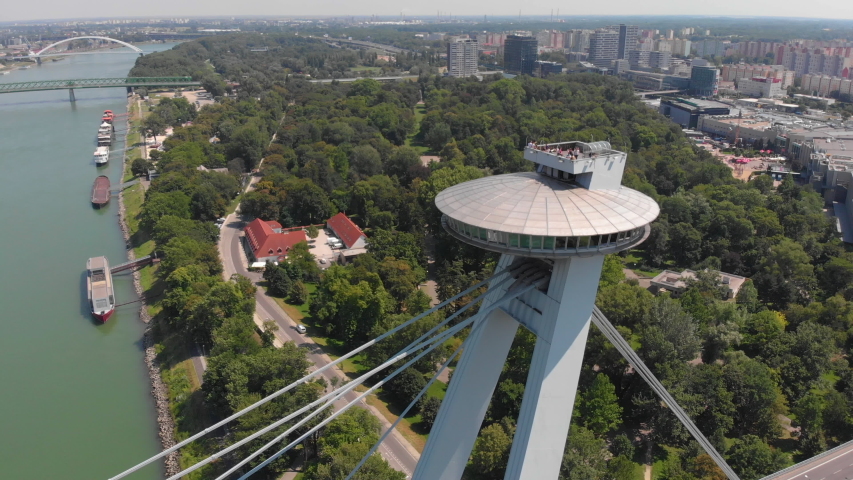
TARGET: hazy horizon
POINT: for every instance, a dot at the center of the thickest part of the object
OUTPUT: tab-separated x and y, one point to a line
21	12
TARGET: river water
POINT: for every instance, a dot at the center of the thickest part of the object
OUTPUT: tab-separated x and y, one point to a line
75	398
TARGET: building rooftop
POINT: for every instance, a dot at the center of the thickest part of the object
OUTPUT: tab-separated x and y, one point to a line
533	204
691	103
345	229
264	242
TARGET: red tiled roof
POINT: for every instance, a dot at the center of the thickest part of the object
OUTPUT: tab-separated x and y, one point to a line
348	232
274	225
266	243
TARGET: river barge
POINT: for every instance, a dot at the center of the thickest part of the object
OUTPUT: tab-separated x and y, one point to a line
99	283
101	191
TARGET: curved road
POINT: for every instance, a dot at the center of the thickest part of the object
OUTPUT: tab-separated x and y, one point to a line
395	449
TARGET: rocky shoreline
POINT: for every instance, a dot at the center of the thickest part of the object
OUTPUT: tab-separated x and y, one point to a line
166	424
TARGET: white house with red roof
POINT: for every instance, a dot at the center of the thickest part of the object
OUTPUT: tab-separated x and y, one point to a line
351	236
266	241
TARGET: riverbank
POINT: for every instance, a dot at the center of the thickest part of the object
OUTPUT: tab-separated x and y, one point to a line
166	424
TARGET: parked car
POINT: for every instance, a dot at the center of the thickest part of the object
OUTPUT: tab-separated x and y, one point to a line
301	328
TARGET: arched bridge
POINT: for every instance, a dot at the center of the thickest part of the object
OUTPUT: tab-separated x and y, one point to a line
41	53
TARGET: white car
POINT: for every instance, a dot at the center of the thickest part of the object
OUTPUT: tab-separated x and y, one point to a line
301	328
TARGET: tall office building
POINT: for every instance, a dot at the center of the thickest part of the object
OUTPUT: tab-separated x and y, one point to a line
603	47
462	56
628	35
520	53
704	80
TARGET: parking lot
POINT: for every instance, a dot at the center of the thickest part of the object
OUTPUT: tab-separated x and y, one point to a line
321	250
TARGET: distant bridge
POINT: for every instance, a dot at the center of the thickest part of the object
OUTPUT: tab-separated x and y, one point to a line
378	79
43	52
658	92
127	82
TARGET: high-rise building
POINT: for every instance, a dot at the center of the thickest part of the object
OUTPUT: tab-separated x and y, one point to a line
704	80
603	47
577	40
520	53
628	35
462	56
638	59
659	60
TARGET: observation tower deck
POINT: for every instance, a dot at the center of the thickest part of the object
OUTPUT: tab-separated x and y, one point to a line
553	212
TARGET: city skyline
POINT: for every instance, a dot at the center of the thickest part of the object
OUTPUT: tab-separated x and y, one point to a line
54	10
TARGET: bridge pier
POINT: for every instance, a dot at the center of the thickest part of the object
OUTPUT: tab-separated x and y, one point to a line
38	60
71	95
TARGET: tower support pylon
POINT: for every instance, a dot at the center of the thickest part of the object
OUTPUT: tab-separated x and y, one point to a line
565	218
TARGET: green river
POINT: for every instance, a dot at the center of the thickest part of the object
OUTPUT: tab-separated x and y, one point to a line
75	396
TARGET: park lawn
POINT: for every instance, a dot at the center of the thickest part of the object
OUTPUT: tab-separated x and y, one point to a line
637	261
366	69
412	140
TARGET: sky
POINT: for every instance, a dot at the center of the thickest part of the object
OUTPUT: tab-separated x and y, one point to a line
64	9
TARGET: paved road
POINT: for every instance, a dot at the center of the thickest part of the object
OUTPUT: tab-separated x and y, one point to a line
396	450
836	466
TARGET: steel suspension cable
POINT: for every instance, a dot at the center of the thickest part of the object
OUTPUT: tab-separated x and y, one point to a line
408	407
414	346
625	349
447	333
307	377
434	343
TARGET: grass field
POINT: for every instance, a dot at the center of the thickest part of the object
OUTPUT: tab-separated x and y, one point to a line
413	140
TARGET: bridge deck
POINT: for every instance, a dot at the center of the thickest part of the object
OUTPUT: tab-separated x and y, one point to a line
98	83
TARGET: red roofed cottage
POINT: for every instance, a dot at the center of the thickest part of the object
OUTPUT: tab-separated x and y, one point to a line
266	242
347	231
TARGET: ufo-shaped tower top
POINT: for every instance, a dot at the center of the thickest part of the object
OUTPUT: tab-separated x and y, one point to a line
572	205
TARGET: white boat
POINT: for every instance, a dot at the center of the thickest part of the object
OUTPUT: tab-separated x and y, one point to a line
102	155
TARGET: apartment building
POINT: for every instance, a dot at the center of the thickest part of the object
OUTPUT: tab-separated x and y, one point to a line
462	56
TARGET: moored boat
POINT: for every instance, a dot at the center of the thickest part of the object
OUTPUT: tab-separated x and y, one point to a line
101	191
100	285
102	155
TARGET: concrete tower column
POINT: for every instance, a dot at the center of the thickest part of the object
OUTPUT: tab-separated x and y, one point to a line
549	393
468	395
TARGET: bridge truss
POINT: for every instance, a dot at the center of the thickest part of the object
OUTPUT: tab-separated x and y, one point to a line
130	82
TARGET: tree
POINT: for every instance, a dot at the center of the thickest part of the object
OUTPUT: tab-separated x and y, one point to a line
809	412
621	468
585	456
624	304
752	458
428	408
207	204
342	445
298	293
491	451
153	125
599	408
611	272
312	231
139	167
279	283
406	385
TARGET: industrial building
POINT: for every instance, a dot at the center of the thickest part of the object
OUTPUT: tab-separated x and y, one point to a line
686	112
